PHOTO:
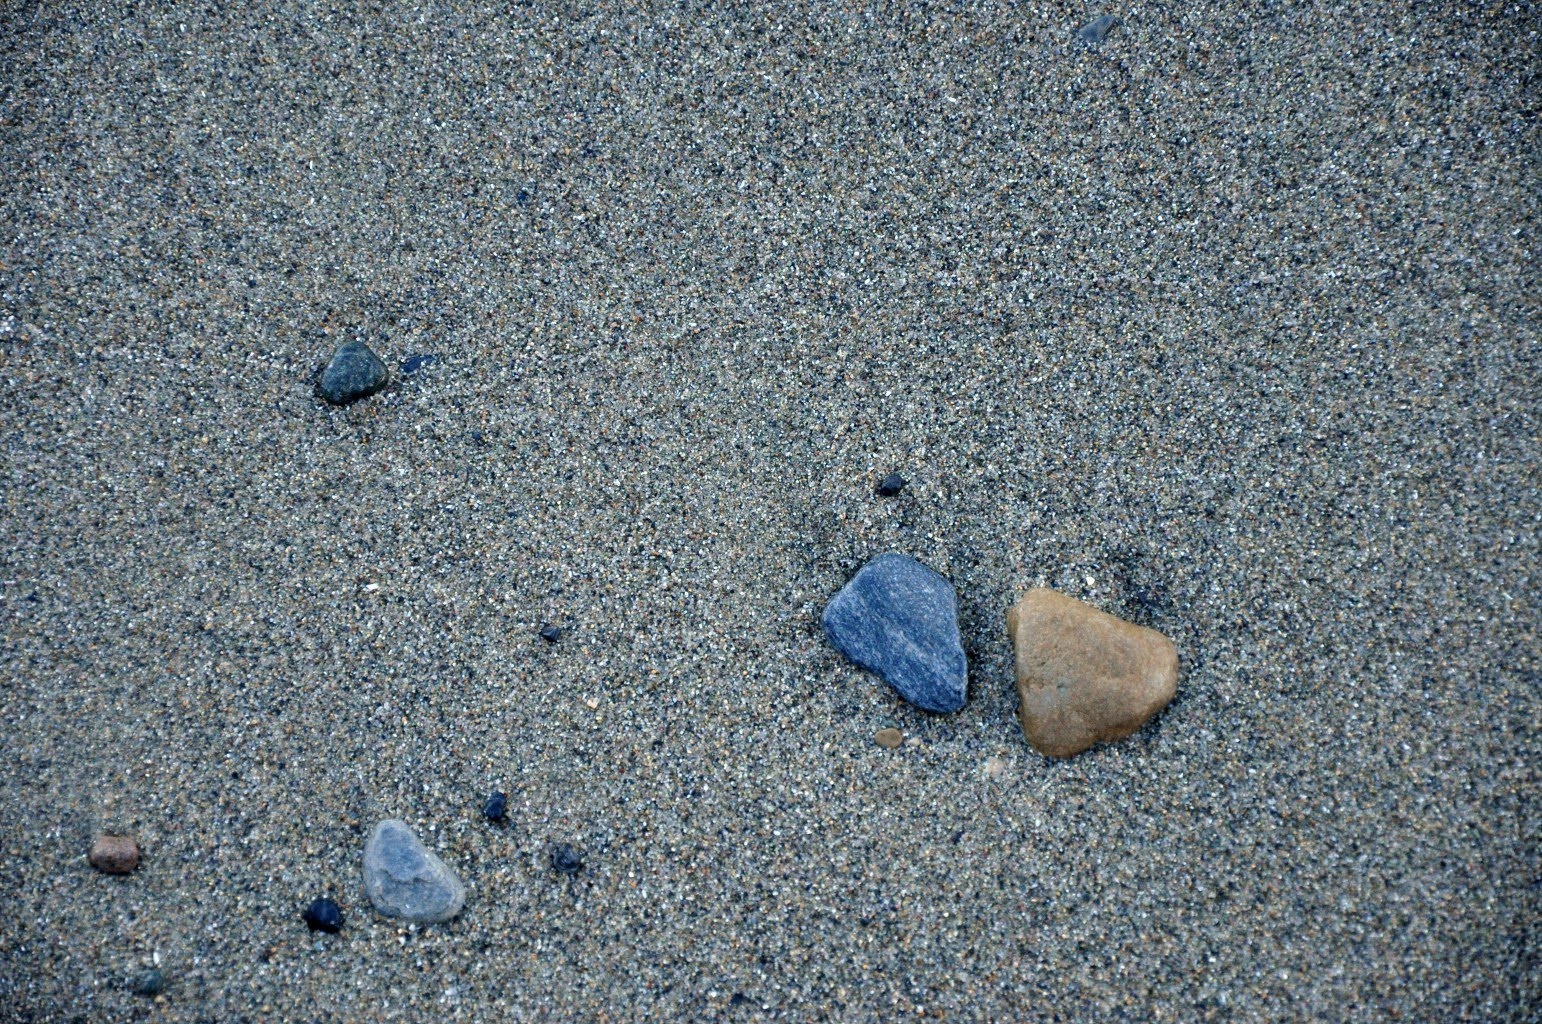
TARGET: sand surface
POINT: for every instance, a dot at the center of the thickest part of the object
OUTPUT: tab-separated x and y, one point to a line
1228	326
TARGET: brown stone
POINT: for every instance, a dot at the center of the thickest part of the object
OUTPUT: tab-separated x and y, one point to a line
116	855
1084	676
889	738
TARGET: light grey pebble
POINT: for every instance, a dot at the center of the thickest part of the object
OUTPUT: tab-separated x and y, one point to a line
405	879
1094	31
900	619
354	372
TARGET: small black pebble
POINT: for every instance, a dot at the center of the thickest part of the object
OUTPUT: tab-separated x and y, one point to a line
150	983
739	999
324	916
353	372
891	485
495	808
566	860
551	634
522	197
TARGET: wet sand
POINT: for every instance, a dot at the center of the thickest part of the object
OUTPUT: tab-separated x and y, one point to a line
1227	325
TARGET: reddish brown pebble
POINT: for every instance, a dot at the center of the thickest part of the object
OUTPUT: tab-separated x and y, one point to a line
889	738
116	855
1083	676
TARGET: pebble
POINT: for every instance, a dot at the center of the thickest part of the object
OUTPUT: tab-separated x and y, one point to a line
551	634
405	879
889	738
323	915
900	619
1094	31
496	807
415	362
891	485
115	855
354	372
566	860
150	983
1084	676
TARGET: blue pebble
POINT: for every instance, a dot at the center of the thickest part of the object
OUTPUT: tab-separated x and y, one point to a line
900	619
1094	31
323	915
415	362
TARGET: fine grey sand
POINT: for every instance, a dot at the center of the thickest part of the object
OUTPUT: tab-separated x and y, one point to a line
1226	325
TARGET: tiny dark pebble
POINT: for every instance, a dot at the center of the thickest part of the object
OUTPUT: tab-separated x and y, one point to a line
1150	599
1096	29
739	999
891	485
551	634
324	916
497	805
415	362
566	860
150	983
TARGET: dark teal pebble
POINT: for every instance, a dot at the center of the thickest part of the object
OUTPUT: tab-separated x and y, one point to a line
354	372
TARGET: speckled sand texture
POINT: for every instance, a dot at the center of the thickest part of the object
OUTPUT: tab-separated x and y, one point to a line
1226	325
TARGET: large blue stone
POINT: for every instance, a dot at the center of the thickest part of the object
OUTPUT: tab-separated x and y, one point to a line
900	619
403	878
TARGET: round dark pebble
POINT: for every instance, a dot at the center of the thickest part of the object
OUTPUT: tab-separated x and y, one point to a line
551	634
150	983
566	860
496	807
354	372
891	485
324	916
